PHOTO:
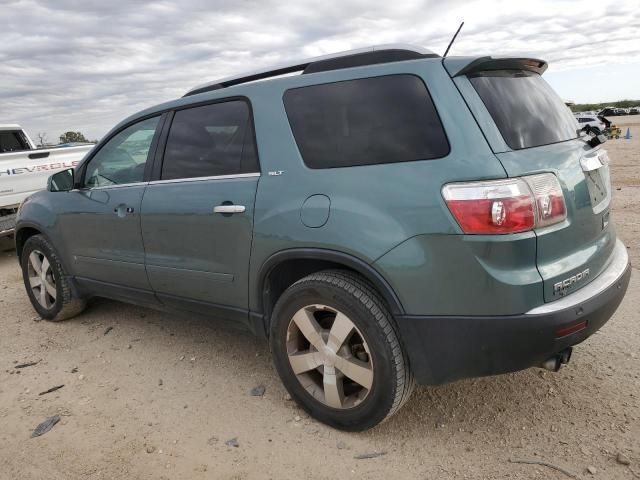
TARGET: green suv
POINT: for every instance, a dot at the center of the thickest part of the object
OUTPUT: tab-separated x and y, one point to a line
382	216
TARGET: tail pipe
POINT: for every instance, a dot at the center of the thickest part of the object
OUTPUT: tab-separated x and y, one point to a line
556	361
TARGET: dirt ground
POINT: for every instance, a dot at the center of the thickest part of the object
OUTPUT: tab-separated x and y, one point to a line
159	396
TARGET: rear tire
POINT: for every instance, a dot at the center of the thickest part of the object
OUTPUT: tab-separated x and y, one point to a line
45	281
353	373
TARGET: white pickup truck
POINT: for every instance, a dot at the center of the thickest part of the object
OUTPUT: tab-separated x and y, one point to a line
24	169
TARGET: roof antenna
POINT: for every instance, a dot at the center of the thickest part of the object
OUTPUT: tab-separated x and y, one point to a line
452	40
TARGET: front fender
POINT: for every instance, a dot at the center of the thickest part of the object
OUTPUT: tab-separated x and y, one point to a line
36	215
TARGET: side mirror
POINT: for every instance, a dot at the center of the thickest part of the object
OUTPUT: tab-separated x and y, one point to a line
61	182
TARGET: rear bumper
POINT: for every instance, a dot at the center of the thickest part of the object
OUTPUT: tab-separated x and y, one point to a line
446	348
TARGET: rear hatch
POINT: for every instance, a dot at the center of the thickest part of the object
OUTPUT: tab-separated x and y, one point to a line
532	131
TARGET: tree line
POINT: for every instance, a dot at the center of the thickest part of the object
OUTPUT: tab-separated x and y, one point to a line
583	107
74	137
66	137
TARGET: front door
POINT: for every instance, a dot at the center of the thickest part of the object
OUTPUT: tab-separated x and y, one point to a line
197	218
103	229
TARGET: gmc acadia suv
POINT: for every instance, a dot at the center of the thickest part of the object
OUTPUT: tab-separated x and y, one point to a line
384	217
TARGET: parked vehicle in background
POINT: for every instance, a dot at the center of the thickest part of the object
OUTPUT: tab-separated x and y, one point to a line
608	112
591	120
25	169
384	217
634	111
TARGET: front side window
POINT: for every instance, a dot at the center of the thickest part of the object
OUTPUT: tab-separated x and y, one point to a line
365	122
210	140
123	158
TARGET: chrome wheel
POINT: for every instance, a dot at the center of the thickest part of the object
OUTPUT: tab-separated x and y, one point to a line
41	279
329	356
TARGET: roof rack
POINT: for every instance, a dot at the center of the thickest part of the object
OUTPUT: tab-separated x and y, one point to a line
350	58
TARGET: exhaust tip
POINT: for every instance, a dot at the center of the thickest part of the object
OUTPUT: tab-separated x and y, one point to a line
565	355
554	363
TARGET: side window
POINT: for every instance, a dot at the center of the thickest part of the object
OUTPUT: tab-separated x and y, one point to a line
123	158
210	140
364	122
12	142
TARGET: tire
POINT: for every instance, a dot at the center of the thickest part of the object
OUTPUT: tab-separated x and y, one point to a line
54	308
328	301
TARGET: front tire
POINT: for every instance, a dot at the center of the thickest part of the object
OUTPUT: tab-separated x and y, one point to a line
336	349
45	281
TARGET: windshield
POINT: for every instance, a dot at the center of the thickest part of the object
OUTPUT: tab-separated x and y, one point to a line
525	108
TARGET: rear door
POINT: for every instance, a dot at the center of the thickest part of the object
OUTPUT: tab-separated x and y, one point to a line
539	134
197	217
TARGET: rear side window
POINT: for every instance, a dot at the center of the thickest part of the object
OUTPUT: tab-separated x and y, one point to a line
364	122
12	142
210	140
525	108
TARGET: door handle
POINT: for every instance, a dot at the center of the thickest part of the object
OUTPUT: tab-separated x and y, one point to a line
229	209
122	210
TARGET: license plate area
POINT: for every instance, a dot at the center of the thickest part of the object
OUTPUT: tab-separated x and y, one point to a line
596	173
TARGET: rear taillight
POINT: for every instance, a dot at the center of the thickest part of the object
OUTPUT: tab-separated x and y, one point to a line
506	206
550	205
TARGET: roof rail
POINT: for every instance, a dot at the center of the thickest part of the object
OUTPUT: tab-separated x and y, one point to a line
350	58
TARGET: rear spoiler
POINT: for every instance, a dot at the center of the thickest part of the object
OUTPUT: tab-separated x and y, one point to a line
457	66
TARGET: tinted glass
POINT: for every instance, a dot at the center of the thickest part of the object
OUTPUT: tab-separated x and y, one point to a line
211	140
526	110
122	159
365	121
12	142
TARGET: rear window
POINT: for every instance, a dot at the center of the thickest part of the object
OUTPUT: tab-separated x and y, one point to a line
525	108
12	141
364	122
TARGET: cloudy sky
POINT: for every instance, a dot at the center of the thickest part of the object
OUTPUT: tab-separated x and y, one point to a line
84	65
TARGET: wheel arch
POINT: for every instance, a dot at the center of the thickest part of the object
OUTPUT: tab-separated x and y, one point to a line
27	230
285	267
23	234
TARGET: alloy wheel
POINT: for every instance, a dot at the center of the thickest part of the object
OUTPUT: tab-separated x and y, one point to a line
329	356
41	279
